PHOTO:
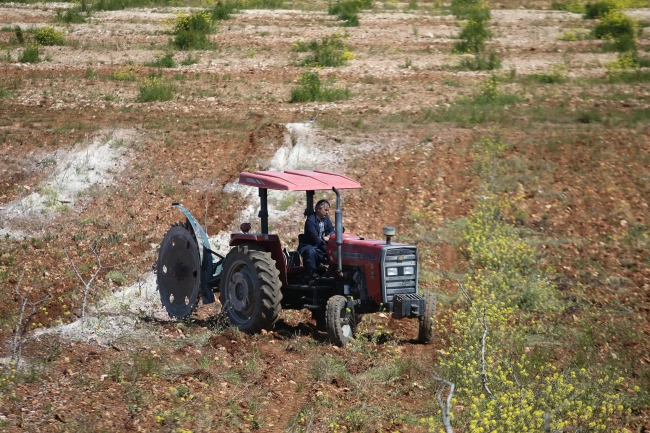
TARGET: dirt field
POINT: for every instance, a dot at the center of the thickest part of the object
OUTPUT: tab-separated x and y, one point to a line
82	163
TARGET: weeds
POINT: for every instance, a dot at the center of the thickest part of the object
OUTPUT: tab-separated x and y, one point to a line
166	61
311	89
330	52
127	73
223	9
30	54
190	60
155	89
555	75
347	10
71	15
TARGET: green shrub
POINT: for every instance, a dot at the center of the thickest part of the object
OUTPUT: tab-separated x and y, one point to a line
617	28
223	9
190	31
347	10
70	16
155	89
4	93
330	52
49	36
473	35
598	9
312	89
166	61
30	55
126	73
19	35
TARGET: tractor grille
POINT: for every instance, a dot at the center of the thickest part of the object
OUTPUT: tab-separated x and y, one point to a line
399	271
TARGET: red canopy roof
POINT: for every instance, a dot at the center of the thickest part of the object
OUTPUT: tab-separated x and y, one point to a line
298	180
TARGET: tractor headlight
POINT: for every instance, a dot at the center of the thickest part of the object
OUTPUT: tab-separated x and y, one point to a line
391	272
408	270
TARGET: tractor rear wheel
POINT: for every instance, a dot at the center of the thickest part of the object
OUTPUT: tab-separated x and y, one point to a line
250	288
340	320
428	320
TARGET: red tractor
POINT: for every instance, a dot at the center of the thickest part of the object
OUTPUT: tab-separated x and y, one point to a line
257	277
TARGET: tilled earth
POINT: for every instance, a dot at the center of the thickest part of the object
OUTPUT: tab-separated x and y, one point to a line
582	188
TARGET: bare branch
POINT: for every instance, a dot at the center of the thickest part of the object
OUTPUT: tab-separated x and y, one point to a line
483	322
445	407
88	283
19	334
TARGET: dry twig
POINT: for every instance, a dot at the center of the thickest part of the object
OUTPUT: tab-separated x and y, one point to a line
19	334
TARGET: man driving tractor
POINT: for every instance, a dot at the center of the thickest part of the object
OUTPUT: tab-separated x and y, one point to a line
318	229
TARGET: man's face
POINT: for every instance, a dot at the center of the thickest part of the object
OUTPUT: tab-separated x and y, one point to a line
325	210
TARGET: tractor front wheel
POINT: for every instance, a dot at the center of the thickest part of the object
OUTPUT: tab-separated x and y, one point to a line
428	320
250	289
339	320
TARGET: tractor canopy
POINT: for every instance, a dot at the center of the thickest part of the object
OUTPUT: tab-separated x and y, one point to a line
298	180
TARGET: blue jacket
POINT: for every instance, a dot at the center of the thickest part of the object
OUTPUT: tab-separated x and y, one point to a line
311	231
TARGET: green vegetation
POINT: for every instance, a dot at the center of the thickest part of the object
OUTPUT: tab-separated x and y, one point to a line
223	9
618	28
312	89
166	61
330	52
126	73
116	5
49	36
155	89
190	31
189	60
555	75
598	10
30	54
71	15
347	10
474	34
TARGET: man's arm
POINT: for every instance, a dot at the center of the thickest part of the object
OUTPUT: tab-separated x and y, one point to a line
311	231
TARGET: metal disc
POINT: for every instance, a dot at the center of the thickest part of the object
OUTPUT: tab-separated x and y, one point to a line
178	272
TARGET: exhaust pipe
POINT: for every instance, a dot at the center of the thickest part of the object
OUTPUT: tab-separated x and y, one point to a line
338	222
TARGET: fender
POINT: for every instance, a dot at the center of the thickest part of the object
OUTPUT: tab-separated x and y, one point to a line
204	253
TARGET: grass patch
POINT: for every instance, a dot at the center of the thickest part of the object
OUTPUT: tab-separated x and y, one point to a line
116	5
30	54
556	74
155	89
574	6
223	9
329	52
311	89
190	60
71	15
480	62
166	61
